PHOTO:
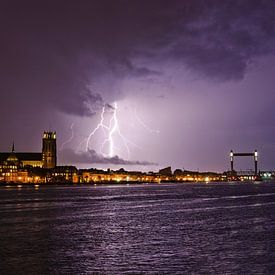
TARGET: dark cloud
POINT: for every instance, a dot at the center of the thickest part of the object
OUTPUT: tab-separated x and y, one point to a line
225	38
72	56
92	157
75	56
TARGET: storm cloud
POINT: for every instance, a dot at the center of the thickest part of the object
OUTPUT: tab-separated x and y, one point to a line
92	157
185	65
71	56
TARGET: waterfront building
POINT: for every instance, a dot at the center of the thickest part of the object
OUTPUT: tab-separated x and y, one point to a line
28	166
46	159
11	169
64	174
49	159
167	171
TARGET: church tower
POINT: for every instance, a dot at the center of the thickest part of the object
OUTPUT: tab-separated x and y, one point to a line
49	150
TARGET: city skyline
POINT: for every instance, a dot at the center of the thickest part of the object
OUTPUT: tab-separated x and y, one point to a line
141	86
36	168
47	159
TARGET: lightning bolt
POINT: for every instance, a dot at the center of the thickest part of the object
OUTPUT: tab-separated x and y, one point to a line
69	139
110	131
101	125
113	127
143	124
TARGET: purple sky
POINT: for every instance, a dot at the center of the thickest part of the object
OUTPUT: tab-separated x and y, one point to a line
191	81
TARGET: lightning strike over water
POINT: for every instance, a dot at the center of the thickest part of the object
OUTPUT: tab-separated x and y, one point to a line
101	125
110	132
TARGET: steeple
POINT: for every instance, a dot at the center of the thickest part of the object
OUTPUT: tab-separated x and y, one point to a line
12	157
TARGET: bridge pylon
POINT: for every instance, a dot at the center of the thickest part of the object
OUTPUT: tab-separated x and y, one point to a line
254	155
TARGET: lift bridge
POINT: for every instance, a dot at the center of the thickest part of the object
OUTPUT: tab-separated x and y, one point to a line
254	155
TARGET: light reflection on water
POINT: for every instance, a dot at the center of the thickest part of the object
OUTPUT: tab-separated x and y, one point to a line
166	228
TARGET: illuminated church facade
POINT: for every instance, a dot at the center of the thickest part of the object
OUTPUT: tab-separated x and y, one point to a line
46	159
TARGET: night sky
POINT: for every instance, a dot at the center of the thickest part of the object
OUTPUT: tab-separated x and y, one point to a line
181	82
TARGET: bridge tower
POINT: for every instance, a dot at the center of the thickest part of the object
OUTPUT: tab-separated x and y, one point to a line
254	155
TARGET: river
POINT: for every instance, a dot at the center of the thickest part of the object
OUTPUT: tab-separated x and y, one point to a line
172	228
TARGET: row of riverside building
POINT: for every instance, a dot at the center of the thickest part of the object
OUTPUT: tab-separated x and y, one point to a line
41	167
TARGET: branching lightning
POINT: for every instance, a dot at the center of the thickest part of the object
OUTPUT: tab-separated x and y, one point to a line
143	124
101	125
70	138
110	131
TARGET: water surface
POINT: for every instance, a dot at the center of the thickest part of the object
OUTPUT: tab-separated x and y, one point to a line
159	229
